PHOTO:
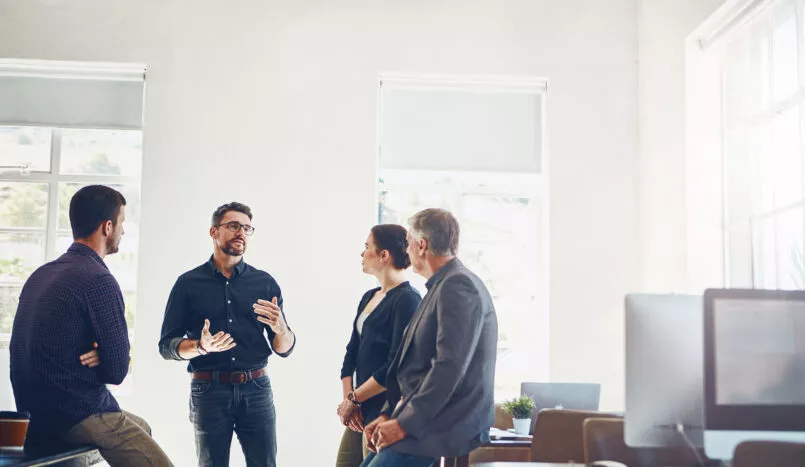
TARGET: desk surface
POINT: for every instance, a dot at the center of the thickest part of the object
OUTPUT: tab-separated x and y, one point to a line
17	458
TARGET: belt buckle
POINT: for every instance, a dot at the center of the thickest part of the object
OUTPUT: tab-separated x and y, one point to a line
239	377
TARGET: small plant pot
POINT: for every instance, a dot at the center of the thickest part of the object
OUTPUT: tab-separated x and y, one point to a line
522	425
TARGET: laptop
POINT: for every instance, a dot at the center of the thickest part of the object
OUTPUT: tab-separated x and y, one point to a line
506	435
570	396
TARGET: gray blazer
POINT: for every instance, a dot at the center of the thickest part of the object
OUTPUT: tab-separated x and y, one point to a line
440	384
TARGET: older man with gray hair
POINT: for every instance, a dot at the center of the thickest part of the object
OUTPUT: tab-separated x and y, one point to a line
440	384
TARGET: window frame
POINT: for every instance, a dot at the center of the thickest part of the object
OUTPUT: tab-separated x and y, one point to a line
733	128
53	179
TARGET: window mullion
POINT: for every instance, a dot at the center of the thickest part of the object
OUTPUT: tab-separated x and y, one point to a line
53	196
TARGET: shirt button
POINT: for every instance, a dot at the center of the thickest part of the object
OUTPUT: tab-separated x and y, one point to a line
230	320
227	282
233	358
229	301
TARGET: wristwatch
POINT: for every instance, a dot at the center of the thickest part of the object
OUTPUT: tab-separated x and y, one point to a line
351	398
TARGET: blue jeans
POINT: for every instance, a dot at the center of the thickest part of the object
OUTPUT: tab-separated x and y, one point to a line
219	409
389	458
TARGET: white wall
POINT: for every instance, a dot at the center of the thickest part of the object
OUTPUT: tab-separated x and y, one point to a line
663	26
274	104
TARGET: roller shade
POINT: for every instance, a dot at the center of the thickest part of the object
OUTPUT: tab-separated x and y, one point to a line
73	95
478	127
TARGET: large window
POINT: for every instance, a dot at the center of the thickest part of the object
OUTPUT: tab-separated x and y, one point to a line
499	217
476	149
64	125
763	109
34	202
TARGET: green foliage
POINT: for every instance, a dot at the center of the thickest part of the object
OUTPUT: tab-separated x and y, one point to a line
519	407
130	301
100	164
14	268
9	298
23	204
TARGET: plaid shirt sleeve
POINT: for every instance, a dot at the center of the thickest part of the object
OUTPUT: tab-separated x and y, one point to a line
108	319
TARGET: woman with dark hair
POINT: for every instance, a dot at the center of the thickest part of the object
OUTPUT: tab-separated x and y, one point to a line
383	314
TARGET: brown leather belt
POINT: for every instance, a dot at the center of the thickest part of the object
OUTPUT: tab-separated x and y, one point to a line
234	377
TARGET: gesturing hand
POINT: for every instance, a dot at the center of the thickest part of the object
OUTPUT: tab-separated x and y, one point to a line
220	342
269	313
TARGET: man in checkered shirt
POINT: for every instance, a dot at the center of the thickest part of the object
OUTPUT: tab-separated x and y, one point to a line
70	340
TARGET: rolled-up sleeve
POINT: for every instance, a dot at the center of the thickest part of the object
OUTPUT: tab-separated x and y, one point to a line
351	355
271	335
174	324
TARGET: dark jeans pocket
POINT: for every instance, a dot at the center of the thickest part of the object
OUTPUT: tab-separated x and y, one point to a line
198	387
262	382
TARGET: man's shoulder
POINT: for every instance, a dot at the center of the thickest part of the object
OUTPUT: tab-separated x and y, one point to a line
258	273
195	273
462	278
73	268
460	274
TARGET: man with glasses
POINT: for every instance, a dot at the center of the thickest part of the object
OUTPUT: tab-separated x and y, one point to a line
217	318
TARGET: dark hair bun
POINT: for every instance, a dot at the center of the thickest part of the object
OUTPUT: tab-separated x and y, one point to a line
394	239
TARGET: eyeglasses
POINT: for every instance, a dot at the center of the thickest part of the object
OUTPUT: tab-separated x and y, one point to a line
235	226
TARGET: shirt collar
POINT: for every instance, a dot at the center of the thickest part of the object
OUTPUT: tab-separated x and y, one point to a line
436	278
83	250
239	268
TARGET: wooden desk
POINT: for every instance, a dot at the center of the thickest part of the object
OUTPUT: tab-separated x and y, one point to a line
17	458
464	461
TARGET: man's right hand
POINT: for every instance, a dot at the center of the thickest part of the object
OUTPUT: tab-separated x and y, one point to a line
91	358
371	429
219	342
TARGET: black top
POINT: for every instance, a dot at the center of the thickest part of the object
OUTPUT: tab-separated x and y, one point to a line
370	353
64	307
205	293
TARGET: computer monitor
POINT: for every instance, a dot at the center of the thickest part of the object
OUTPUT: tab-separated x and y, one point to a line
663	370
754	368
571	396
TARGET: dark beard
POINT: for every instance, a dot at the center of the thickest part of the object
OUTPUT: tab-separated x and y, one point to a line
229	250
111	246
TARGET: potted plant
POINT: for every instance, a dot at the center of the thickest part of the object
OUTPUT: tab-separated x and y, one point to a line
520	409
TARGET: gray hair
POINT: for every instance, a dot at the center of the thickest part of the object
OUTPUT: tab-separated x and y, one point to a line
439	227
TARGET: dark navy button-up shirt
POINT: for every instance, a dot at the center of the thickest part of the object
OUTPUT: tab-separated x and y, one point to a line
205	293
65	306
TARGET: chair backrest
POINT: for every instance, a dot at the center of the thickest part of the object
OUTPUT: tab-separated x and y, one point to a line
502	419
604	440
559	435
768	453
